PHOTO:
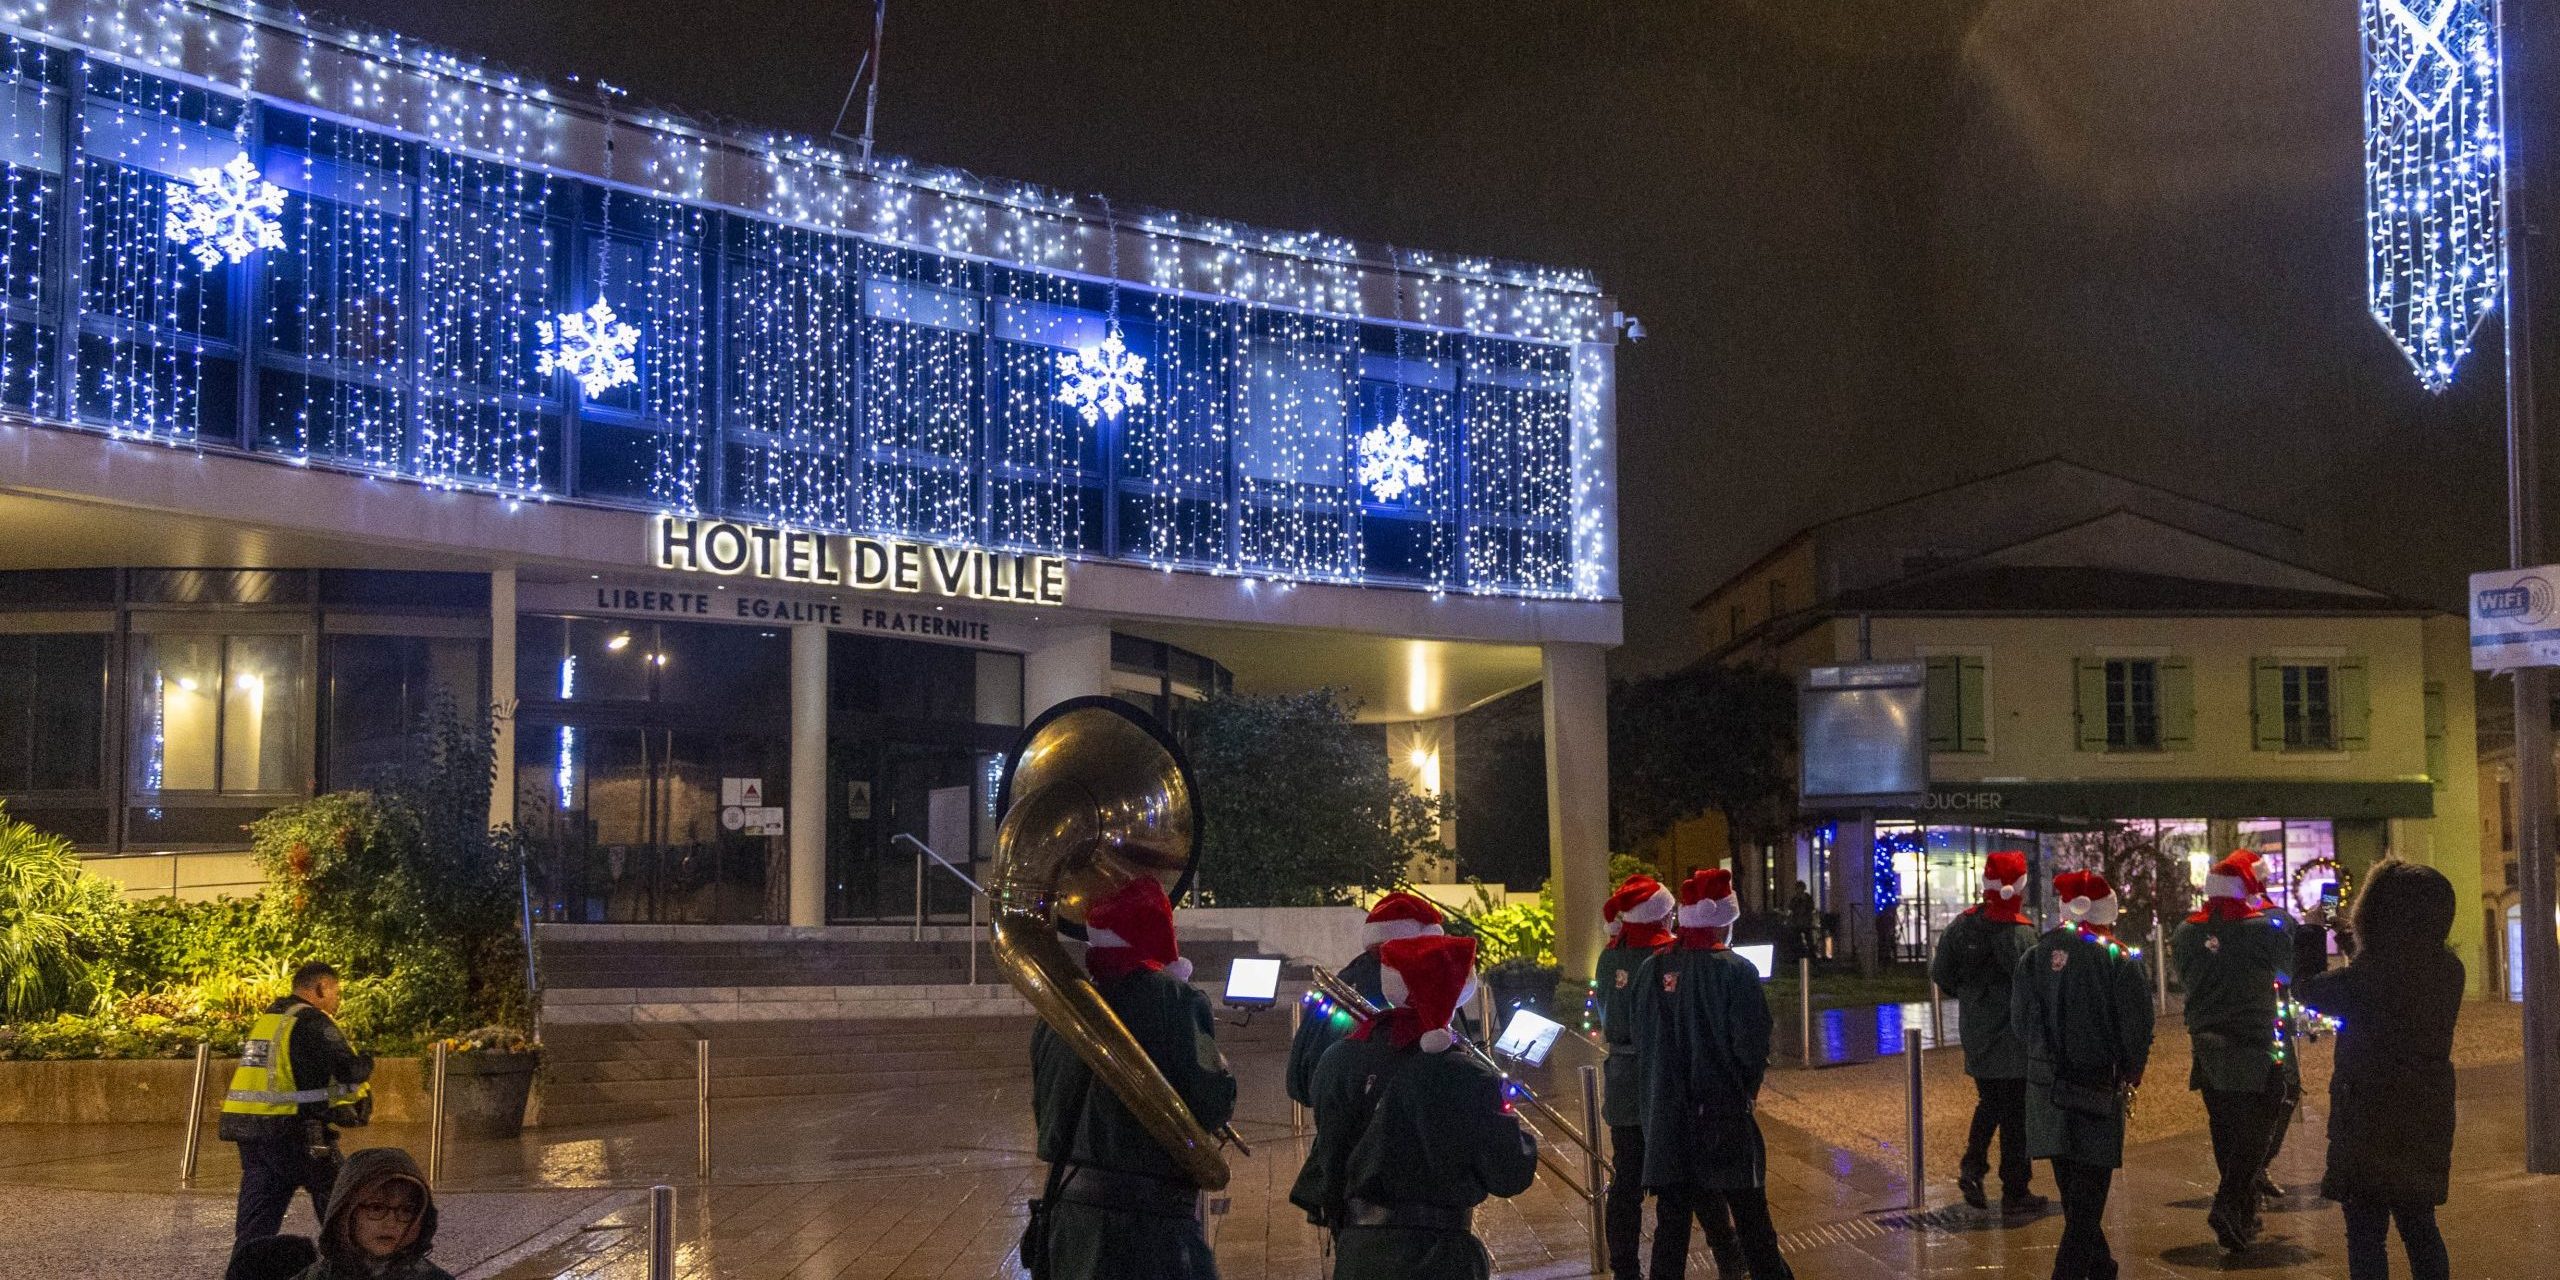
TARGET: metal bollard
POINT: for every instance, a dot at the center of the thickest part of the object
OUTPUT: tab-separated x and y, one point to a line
435	1120
662	1233
702	1110
1297	1019
195	1115
1591	1170
1911	1054
1804	1004
2160	963
1937	1015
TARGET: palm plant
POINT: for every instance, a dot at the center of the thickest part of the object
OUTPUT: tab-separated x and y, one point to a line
41	892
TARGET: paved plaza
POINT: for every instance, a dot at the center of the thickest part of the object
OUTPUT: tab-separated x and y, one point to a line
917	1184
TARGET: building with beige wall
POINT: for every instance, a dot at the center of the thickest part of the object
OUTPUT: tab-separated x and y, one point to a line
2115	667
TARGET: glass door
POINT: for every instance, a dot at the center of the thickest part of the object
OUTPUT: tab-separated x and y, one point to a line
944	796
636	825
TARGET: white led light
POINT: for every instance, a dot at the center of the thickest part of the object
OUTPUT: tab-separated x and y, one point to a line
595	347
2432	158
225	214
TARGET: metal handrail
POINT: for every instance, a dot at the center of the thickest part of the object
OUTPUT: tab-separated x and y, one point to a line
976	891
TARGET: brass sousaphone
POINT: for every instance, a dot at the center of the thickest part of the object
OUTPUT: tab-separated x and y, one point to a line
1095	796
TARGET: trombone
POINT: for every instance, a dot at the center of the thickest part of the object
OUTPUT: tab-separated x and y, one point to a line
1343	993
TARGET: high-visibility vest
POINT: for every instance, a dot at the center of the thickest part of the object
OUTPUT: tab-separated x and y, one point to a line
263	1088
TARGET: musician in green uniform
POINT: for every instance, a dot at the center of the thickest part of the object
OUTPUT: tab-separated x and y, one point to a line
1116	1206
1639	918
1702	1037
1976	960
2231	957
1411	1137
2081	1006
1322	1023
2315	939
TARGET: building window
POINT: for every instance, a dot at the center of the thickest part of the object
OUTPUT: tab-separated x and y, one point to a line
2310	719
1954	698
220	714
2133	704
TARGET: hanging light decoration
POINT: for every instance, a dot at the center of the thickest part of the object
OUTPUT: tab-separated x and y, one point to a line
2434	228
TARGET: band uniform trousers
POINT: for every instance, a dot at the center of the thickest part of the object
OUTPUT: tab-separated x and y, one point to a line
1625	1218
2000	1106
1751	1247
271	1170
2369	1241
2243	1125
2084	1254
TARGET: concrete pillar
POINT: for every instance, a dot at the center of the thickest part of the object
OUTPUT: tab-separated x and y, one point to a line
1576	698
1068	662
502	693
807	819
1853	889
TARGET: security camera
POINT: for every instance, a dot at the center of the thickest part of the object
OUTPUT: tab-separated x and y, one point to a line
1628	325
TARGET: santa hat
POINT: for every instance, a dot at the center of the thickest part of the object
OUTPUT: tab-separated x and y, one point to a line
2005	873
1706	900
1641	900
1399	915
1431	975
1137	921
2086	897
2235	877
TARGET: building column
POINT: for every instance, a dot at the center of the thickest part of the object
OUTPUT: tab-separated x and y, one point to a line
502	694
1575	694
1853	888
807	819
1068	662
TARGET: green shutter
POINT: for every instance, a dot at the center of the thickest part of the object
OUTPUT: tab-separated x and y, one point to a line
1945	701
2350	698
2177	694
2091	704
2266	702
1972	732
2435	732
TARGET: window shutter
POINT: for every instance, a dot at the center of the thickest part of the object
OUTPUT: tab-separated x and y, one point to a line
2435	732
2177	694
1945	697
1974	735
2351	702
2091	705
2266	702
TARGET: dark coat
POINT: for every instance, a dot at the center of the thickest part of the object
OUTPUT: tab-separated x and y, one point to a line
340	1258
2082	1009
1975	961
2230	968
1324	1024
1622	1082
1702	1035
1404	1127
2391	1096
1081	1121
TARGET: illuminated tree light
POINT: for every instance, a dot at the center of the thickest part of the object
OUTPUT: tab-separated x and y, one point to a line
2434	228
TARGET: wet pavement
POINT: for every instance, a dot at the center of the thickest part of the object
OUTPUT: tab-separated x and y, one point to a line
927	1183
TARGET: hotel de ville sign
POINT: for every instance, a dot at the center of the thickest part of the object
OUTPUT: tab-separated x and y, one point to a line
733	548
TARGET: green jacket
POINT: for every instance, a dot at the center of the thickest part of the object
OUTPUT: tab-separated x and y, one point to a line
1702	1033
2081	1006
1323	1025
1622	1081
1404	1127
2230	969
1975	961
1081	1121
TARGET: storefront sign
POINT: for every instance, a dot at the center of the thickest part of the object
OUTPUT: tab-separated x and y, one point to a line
730	548
953	625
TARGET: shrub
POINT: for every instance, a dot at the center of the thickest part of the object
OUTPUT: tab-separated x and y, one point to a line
1300	807
60	927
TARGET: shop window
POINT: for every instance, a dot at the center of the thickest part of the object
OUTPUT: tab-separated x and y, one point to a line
52	713
2309	706
1955	704
218	714
2136	704
375	689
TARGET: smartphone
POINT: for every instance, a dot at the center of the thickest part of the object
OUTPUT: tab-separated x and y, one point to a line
1253	981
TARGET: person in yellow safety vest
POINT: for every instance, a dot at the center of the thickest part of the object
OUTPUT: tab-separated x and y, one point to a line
298	1080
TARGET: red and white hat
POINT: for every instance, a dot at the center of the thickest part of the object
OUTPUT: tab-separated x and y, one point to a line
2236	877
1432	975
1133	929
1707	901
2005	873
1399	915
1641	900
2086	897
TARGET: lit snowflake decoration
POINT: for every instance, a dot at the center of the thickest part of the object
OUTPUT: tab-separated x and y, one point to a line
1391	460
593	346
1102	382
226	214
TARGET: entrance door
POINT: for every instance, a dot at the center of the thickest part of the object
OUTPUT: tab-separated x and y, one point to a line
632	825
942	795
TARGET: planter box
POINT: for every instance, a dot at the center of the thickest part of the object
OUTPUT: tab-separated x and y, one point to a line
485	1093
154	1091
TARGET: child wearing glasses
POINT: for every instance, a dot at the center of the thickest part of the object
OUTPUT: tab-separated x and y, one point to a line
382	1221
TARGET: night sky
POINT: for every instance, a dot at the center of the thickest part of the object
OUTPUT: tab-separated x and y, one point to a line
1880	245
